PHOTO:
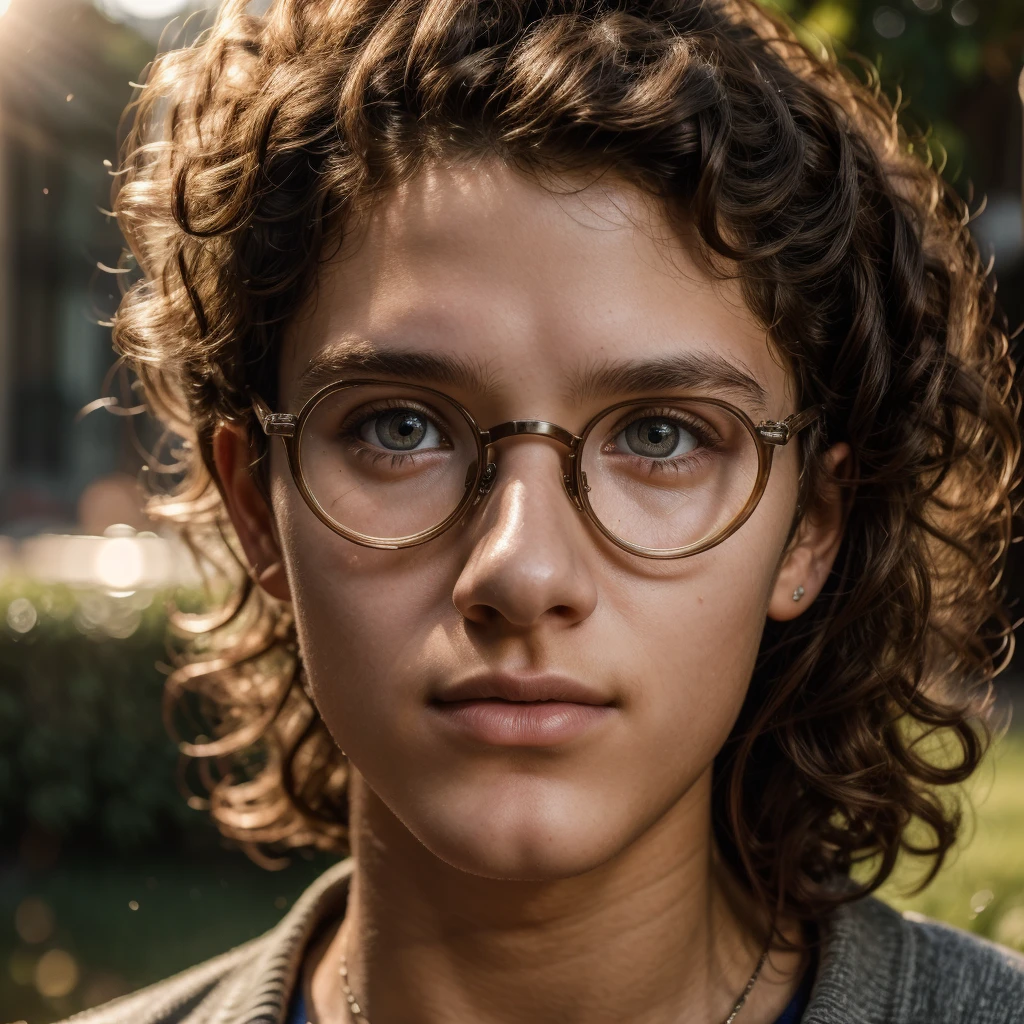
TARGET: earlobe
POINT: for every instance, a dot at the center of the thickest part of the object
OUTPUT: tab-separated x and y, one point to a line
248	510
808	559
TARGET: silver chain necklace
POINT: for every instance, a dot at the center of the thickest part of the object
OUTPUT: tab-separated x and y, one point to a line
355	1008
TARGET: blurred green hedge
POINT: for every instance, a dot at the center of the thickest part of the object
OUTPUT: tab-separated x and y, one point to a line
83	753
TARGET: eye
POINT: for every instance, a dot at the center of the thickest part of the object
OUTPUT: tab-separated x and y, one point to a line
401	430
656	437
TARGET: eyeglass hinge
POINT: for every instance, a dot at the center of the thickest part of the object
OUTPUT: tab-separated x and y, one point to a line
490	471
282	423
572	490
773	431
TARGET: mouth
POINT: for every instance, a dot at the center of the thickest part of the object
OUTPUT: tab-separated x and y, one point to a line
513	710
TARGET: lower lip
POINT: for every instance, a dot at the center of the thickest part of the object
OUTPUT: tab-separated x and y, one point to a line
506	723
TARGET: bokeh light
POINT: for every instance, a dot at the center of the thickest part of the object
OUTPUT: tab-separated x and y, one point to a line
964	13
119	563
33	921
22	615
1010	929
889	23
21	967
981	899
56	973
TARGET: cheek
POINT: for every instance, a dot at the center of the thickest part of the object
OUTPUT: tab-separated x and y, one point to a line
690	645
689	633
361	614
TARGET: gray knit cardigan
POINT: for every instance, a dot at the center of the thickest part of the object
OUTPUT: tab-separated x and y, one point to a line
876	967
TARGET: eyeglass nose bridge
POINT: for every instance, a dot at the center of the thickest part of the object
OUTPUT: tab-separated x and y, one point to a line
539	428
544	428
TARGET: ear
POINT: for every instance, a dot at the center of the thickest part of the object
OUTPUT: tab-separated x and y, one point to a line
250	515
809	557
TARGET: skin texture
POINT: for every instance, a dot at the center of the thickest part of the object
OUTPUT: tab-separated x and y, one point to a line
569	883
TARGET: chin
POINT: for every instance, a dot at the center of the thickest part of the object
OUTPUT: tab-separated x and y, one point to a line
527	834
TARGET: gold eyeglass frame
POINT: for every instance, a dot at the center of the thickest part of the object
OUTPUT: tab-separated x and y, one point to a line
767	436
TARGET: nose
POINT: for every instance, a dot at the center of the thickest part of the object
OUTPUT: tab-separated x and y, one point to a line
528	563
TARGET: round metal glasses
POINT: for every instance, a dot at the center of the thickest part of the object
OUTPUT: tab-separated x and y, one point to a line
392	465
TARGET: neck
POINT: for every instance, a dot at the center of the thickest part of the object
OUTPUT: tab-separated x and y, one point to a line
657	935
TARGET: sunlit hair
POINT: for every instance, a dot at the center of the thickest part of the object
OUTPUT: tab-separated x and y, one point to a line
245	156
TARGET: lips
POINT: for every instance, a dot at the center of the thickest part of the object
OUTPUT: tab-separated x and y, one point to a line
505	710
523	689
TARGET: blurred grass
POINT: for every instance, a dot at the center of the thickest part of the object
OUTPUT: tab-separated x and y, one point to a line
981	887
128	922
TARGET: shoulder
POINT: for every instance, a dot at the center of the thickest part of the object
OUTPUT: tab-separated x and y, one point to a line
175	998
880	965
252	982
962	975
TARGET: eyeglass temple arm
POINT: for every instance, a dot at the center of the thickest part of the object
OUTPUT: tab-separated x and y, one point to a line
282	423
779	432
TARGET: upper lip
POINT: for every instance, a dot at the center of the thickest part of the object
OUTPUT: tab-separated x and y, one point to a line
522	688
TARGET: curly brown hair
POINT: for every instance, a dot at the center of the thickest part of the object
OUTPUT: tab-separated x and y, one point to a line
247	154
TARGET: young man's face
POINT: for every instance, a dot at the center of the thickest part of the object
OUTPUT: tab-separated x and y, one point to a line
533	293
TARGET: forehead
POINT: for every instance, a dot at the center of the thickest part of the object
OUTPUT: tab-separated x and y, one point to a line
536	289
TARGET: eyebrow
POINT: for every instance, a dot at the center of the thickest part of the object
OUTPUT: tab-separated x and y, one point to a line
691	371
336	362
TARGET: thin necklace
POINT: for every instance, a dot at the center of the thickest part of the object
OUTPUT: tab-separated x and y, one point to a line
356	1010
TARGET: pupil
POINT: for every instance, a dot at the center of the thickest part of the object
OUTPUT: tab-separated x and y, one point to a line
401	430
652	438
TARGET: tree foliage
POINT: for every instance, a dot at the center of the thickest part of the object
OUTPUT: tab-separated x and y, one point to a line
954	63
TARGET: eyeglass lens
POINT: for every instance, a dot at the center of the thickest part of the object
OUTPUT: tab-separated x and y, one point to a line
388	462
669	475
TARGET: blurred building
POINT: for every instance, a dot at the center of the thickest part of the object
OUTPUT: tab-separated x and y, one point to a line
64	74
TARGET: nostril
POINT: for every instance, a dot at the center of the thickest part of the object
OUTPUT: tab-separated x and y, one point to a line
482	614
